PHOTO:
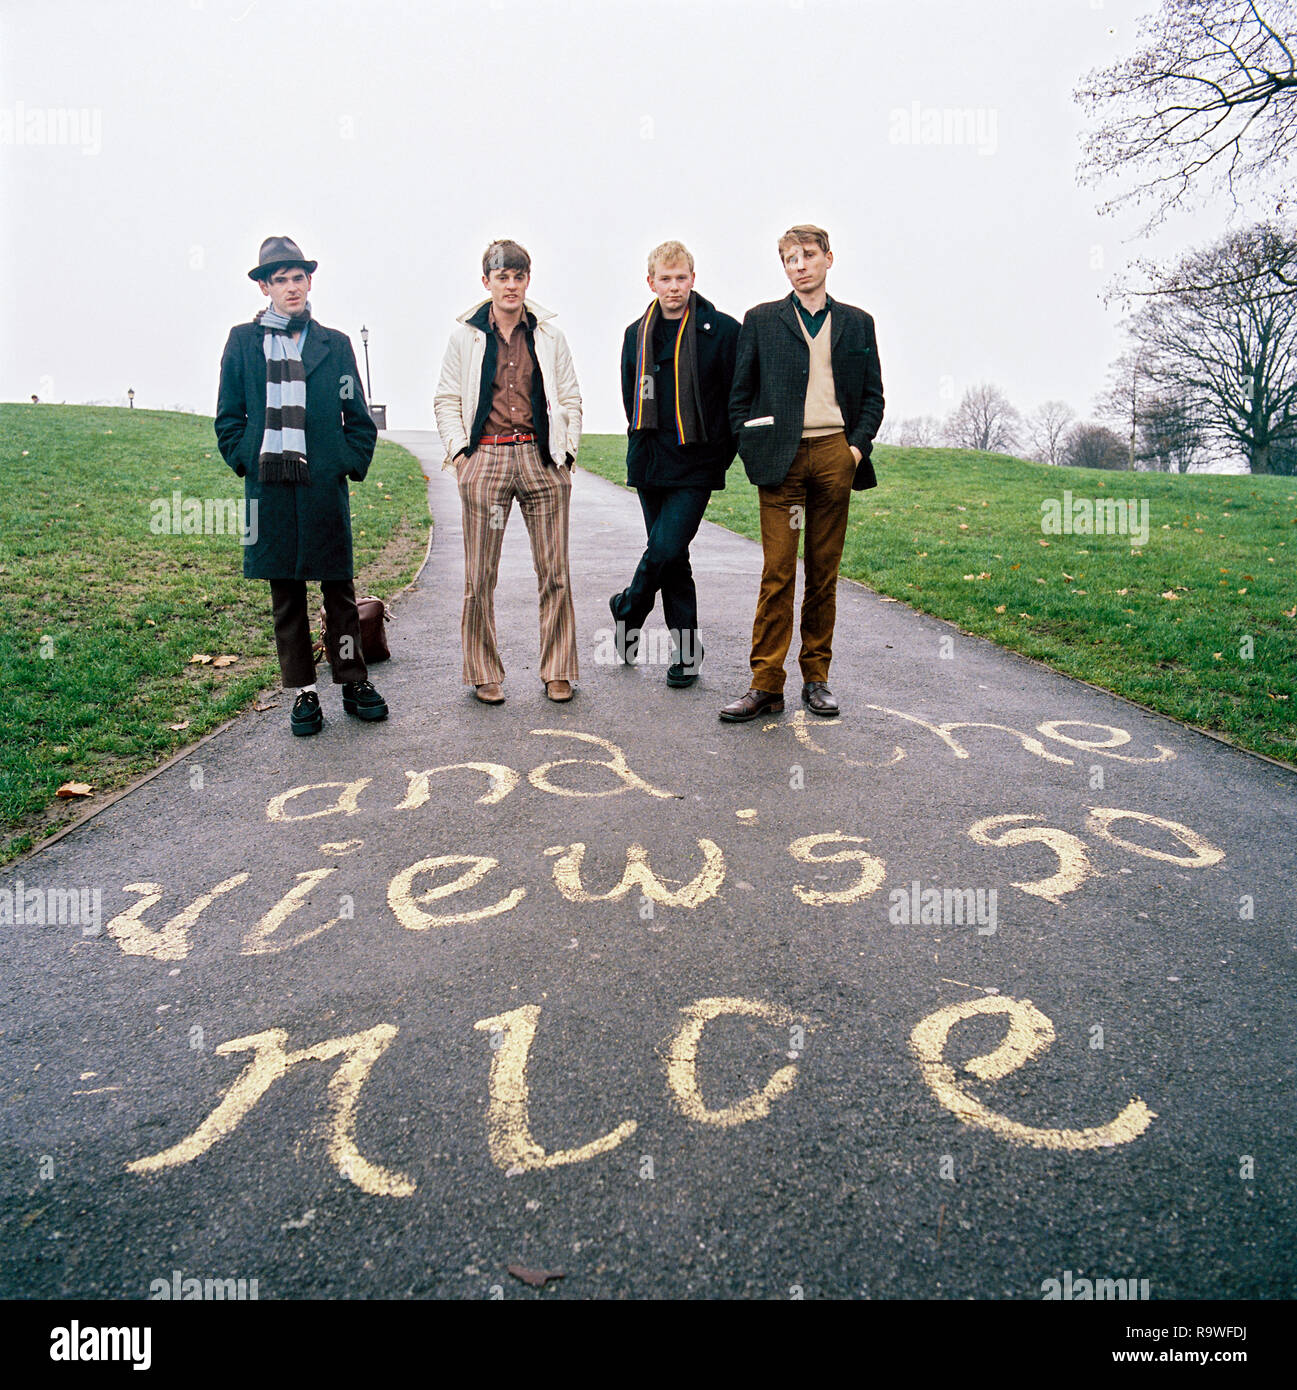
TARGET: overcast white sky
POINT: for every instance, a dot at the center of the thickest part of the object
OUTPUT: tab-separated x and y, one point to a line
393	140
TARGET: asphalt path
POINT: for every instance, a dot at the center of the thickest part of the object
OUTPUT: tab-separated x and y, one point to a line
602	1004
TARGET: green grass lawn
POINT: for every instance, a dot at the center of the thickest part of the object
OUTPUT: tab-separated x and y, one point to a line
101	615
958	534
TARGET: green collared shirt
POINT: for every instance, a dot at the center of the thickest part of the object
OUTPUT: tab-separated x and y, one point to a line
813	322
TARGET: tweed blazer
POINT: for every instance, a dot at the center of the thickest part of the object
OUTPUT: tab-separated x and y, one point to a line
770	377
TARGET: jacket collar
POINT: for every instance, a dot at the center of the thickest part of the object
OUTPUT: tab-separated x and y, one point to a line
477	316
316	348
790	317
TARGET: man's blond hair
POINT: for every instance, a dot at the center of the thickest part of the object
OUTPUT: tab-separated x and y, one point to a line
670	253
804	234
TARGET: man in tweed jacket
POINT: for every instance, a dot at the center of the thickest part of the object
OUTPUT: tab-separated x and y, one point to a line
806	404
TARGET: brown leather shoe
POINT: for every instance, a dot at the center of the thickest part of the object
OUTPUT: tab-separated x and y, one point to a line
818	698
752	706
559	691
490	693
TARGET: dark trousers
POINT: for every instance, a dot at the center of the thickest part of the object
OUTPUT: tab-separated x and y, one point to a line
293	631
672	516
814	498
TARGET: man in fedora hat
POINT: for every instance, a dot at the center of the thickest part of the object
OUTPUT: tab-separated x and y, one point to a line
291	421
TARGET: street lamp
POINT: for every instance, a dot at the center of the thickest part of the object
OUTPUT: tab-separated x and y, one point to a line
369	385
130	398
377	412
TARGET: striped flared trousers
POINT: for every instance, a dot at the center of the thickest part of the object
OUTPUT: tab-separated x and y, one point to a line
489	480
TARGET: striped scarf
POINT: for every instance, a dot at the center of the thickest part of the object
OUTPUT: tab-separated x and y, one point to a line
689	416
283	446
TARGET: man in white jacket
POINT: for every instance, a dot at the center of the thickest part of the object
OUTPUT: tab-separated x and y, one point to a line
508	411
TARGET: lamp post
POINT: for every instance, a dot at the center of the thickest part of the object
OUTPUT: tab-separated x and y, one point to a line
377	412
369	385
130	398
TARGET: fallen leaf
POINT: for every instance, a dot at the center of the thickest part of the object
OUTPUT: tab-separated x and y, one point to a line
71	789
199	659
537	1278
1000	607
1067	576
225	661
1042	542
1291	612
963	526
176	728
1123	592
1169	593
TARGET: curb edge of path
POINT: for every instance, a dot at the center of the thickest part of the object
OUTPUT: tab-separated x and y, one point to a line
190	748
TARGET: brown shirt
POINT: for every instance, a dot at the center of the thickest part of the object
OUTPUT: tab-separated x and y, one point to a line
511	392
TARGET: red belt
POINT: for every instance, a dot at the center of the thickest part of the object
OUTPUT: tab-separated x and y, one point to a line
507	439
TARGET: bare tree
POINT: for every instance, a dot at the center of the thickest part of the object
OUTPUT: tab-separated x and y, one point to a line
1093	446
919	432
984	419
1227	347
1170	436
1209	97
1122	402
1046	428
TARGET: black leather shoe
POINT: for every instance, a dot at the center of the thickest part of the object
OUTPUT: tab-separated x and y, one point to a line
306	717
626	642
818	698
361	699
680	675
752	705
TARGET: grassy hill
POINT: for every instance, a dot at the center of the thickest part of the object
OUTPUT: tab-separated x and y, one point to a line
958	534
101	614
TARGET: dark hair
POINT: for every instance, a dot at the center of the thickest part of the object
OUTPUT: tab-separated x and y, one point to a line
505	255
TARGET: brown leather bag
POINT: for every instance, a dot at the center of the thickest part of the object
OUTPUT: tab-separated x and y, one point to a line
373	637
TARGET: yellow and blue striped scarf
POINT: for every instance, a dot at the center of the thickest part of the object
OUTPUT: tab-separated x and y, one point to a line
688	420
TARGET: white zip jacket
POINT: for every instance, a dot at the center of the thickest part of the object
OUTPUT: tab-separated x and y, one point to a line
456	401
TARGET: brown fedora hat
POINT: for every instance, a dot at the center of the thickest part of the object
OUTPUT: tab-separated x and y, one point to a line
278	251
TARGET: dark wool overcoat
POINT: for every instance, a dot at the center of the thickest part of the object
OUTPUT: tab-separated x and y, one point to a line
303	530
699	465
770	379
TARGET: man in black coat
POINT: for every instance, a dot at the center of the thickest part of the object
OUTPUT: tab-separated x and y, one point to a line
806	404
291	421
677	363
